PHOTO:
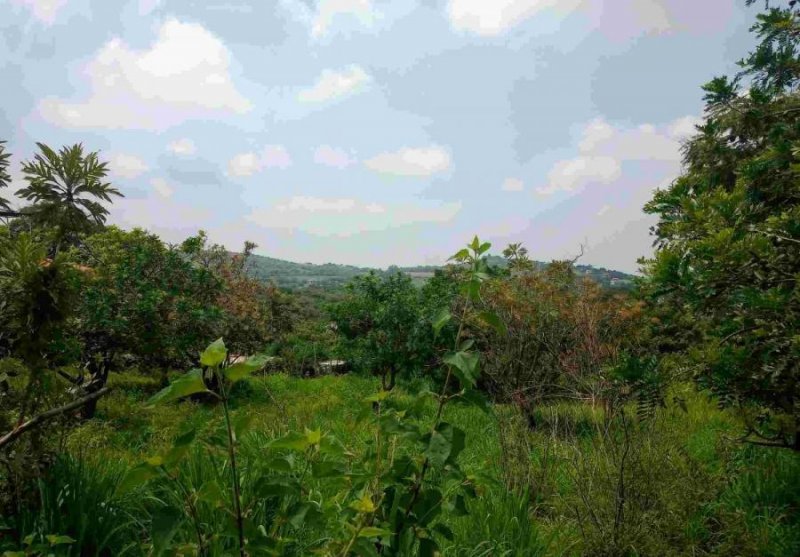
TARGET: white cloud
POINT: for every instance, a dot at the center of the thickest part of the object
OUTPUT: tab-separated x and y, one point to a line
160	214
244	164
183	146
275	156
603	149
683	128
644	142
619	20
126	166
513	184
333	84
183	75
345	216
333	157
570	174
247	164
494	17
45	11
328	10
162	188
411	162
603	210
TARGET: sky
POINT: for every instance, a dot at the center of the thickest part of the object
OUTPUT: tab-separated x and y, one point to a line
373	132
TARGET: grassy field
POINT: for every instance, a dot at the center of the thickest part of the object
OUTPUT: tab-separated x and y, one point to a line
686	488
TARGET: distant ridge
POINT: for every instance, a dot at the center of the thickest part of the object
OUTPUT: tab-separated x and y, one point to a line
292	276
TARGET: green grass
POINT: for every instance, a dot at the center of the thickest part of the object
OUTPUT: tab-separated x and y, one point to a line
689	489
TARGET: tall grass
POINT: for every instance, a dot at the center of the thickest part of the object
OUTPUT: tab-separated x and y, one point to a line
689	489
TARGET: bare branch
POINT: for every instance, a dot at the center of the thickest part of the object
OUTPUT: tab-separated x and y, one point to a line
44	416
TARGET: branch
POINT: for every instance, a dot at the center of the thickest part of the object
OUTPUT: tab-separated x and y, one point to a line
575	259
44	416
68	377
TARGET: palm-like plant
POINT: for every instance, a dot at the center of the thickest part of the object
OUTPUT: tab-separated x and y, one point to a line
66	189
5	177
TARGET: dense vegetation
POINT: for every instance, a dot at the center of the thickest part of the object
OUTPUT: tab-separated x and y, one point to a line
331	277
499	407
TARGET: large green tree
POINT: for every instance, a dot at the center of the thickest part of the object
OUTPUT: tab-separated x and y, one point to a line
145	299
728	237
379	321
66	190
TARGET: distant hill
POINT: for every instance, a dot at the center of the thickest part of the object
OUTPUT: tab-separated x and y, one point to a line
291	275
330	276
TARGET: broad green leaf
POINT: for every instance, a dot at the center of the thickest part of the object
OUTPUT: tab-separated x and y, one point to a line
441	320
465	367
363	505
330	445
293	441
136	476
445	443
175	455
374	532
267	487
237	372
460	255
459	506
477	399
313	436
444	531
242	423
281	463
378	397
166	523
297	514
438	449
59	540
210	492
185	438
189	384
214	354
492	319
484	247
428	548
476	244
472	289
327	469
458	442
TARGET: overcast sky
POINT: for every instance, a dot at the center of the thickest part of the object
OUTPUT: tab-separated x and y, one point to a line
373	132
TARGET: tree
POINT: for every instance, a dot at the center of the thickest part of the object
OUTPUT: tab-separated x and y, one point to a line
728	237
378	321
66	189
253	312
5	179
145	299
518	259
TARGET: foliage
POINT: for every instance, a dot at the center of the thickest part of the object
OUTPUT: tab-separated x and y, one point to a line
5	178
728	234
379	323
561	336
66	189
387	503
143	298
331	277
253	313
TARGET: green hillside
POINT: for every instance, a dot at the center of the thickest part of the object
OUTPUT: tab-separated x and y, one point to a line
292	275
